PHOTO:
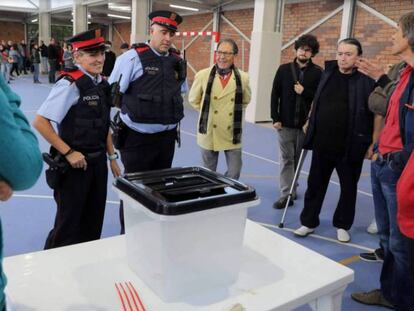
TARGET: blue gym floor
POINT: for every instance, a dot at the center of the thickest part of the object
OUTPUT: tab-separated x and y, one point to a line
28	216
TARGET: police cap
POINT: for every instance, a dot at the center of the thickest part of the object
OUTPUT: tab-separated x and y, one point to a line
166	18
89	41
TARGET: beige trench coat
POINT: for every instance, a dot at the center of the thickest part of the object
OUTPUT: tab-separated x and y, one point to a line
219	134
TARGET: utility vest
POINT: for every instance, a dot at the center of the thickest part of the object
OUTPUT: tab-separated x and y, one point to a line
86	125
155	97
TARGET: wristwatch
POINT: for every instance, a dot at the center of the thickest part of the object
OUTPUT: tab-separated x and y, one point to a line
113	156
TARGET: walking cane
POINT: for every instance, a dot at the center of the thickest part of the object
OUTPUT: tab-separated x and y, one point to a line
292	186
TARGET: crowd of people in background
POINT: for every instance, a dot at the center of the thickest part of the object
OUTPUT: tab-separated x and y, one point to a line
22	59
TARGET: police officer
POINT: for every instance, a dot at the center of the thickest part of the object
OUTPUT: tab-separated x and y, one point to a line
79	104
153	77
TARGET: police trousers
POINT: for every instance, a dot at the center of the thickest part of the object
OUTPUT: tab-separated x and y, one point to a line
80	199
146	152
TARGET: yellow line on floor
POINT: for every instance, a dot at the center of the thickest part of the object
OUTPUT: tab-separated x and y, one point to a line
349	260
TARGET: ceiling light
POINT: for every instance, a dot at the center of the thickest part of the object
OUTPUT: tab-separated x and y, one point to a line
183	7
34	20
119	16
117	7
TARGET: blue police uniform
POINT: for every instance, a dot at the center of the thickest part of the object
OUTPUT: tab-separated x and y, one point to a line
130	67
151	104
80	106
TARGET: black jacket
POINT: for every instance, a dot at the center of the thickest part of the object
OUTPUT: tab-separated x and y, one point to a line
109	63
43	50
360	118
288	107
35	56
52	51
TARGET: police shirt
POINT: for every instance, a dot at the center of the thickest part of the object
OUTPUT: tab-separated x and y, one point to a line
62	97
130	66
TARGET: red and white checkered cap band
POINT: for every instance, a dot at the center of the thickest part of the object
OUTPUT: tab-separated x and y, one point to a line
85	44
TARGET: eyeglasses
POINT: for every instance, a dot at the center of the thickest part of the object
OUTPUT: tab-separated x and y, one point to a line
226	54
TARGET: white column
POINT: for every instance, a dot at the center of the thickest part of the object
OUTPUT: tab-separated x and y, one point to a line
80	17
265	53
110	32
348	15
44	21
139	20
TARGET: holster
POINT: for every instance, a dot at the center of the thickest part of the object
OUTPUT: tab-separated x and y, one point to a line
58	166
118	131
53	177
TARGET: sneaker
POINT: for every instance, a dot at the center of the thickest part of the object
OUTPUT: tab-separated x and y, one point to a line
374	297
375	256
303	231
372	228
281	203
343	235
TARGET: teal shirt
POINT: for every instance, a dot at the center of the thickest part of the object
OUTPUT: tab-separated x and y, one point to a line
20	157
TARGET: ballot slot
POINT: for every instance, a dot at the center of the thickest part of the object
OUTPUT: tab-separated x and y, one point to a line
182	190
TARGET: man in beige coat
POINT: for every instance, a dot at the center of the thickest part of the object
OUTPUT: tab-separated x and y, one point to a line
221	93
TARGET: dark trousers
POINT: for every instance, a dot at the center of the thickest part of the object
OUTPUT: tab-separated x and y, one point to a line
81	200
321	170
146	152
52	70
14	68
411	254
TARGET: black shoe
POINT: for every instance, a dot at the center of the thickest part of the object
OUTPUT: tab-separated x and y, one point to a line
375	256
281	203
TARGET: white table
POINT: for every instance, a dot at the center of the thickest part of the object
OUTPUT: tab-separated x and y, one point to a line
277	274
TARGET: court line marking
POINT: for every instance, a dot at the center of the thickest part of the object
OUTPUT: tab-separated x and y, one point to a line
37	196
349	260
320	237
278	163
49	197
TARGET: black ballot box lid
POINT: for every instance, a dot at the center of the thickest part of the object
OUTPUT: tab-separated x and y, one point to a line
178	191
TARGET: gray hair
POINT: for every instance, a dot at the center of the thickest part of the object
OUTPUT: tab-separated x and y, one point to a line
406	23
232	43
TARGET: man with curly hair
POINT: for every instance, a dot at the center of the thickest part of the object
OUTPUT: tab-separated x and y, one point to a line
293	90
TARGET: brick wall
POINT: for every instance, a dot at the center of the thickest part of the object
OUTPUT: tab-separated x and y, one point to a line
11	31
243	20
120	32
373	33
376	34
198	53
300	16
